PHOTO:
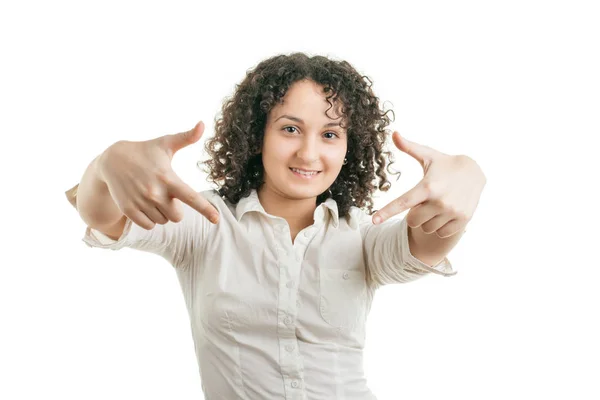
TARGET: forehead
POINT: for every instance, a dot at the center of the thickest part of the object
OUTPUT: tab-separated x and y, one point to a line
309	99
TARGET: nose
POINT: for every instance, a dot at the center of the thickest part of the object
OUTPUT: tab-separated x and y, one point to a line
308	151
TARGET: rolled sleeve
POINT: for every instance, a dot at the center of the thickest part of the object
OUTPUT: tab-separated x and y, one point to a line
177	242
388	257
174	241
95	238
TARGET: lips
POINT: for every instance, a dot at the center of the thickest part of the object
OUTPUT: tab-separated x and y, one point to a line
304	172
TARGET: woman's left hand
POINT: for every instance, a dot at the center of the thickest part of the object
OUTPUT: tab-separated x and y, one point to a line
445	199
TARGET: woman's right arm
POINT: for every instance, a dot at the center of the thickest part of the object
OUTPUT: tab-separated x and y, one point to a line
94	203
133	183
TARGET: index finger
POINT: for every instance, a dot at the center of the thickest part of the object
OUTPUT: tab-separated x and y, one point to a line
408	200
189	196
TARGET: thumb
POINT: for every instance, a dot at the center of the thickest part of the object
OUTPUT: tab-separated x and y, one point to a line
178	141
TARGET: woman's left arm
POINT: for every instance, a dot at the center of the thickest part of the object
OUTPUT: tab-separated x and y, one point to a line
443	202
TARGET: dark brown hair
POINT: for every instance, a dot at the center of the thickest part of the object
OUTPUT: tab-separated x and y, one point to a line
236	166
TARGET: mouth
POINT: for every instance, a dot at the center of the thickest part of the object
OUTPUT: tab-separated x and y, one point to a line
305	174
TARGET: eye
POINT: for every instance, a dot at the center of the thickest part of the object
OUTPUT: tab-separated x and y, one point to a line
334	135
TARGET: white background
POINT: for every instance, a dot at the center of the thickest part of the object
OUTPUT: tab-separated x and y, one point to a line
513	84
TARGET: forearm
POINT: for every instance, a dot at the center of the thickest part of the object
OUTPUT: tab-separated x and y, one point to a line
93	200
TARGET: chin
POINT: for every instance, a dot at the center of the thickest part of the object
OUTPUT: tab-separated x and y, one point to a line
302	191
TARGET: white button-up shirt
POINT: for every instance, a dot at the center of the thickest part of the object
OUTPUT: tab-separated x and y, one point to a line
272	319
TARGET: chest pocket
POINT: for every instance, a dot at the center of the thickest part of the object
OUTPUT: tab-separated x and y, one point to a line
343	298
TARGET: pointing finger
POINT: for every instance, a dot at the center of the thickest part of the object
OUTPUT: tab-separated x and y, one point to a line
408	200
192	198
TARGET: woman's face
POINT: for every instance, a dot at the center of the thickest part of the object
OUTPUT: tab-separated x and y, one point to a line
303	149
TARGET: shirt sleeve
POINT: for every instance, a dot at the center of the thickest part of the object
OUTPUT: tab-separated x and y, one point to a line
387	253
174	241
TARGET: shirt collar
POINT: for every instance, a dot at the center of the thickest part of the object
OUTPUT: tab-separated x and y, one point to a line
251	203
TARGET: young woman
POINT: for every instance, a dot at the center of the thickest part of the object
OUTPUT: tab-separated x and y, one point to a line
279	265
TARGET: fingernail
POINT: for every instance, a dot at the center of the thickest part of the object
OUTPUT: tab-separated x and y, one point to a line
377	219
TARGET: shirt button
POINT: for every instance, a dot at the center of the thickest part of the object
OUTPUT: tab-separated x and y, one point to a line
295	384
307	233
298	257
290	284
287	320
346	275
289	347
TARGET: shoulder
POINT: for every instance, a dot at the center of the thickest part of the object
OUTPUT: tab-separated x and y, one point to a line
221	204
211	195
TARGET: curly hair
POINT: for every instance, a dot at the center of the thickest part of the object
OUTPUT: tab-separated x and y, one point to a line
236	165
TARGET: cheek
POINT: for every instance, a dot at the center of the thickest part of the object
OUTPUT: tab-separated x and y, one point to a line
275	153
335	157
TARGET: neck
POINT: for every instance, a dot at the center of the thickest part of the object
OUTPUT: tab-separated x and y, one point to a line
298	213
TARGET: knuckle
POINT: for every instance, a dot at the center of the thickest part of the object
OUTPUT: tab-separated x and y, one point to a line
396	206
401	203
451	209
147	224
153	194
118	149
176	216
117	145
441	203
430	188
175	211
461	215
464	159
164	177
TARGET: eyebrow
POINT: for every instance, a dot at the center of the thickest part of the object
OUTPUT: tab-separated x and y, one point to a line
302	122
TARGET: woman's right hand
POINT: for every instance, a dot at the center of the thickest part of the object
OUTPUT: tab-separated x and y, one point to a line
144	186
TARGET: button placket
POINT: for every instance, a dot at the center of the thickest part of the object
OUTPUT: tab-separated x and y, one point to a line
289	260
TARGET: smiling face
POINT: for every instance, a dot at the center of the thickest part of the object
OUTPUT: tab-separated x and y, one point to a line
303	149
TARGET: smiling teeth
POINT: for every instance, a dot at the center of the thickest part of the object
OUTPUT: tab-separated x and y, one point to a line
304	173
